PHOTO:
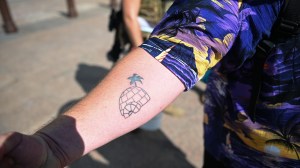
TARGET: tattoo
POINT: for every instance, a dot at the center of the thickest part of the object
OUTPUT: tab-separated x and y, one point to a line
133	98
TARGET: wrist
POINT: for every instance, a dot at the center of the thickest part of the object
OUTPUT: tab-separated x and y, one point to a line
51	160
63	140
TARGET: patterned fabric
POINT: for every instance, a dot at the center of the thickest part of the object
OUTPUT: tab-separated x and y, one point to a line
194	36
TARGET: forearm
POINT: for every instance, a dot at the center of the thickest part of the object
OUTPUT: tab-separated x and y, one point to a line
130	16
134	32
99	117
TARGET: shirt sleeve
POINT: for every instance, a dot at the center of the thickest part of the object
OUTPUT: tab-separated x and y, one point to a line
193	36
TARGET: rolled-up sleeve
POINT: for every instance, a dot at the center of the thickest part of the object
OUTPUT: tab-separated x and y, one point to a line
193	36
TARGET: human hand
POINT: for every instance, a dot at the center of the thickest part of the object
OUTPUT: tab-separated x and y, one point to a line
19	150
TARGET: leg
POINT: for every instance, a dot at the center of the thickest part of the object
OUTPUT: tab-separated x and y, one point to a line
72	13
9	25
114	54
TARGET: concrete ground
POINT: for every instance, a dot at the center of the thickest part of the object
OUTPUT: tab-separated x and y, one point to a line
53	61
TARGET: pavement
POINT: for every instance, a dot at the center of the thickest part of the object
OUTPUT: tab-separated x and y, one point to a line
53	61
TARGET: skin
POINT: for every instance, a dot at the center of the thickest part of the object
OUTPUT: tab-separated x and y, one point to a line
130	16
96	119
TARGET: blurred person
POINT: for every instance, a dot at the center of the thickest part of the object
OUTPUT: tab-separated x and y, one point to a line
131	10
192	37
114	4
132	23
116	24
114	8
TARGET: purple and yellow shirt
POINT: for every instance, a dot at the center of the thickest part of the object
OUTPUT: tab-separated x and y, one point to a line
197	35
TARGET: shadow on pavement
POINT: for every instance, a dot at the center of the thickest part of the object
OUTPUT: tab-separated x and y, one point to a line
140	149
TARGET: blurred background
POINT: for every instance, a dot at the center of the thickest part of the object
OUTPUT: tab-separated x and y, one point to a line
53	60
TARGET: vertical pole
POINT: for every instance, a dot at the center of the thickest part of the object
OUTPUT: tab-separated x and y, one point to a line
72	13
9	25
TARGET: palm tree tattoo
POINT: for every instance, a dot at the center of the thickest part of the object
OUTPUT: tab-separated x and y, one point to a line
133	98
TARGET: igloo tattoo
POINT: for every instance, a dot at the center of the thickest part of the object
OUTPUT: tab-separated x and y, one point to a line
133	98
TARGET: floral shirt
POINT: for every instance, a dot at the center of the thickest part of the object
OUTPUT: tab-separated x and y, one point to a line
197	35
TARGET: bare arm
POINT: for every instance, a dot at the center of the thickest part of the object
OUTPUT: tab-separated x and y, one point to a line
98	118
130	16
